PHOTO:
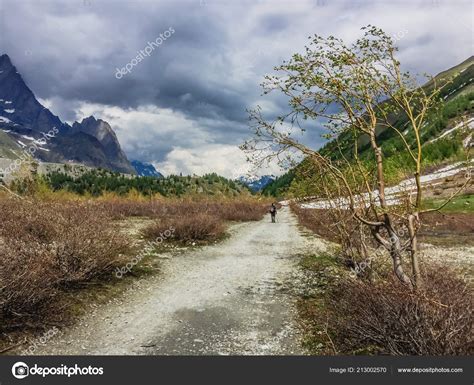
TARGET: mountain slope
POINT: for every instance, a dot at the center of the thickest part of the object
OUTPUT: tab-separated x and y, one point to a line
31	129
443	136
8	147
457	99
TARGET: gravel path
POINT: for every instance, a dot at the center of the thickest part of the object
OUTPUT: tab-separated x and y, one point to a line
235	297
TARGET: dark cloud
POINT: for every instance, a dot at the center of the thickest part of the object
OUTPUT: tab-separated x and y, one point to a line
192	91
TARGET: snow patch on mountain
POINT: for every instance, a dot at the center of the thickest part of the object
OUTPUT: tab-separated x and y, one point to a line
256	183
145	169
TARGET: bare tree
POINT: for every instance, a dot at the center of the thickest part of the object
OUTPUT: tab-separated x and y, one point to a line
357	91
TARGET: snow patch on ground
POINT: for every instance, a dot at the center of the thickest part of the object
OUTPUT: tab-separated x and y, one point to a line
469	123
466	141
456	89
391	193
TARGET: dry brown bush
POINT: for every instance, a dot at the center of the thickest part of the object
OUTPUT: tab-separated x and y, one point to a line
226	209
121	208
27	282
317	220
244	210
379	315
383	317
194	228
47	246
201	220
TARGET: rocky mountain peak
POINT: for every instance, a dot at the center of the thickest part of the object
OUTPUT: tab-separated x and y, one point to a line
91	142
98	128
5	62
103	132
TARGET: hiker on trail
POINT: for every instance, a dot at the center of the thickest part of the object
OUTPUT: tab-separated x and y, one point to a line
273	211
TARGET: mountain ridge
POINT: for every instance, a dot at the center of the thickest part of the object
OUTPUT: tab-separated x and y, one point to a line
30	127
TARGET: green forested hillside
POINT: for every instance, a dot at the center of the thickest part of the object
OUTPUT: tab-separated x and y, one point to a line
280	185
97	182
457	105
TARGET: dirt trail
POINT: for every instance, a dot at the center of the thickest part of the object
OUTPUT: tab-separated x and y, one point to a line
231	298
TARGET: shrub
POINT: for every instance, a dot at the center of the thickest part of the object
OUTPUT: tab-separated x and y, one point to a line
52	244
46	246
121	208
28	279
386	318
227	209
319	221
191	228
243	210
202	219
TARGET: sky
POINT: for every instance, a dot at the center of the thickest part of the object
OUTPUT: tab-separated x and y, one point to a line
182	106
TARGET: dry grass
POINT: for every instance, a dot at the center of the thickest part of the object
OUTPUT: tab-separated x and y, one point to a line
47	247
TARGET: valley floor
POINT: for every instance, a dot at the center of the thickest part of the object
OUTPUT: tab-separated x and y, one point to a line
233	298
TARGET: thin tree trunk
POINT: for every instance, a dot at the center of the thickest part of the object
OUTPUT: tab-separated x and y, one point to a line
414	250
395	246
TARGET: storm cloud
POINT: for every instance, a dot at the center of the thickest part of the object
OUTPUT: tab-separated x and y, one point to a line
183	107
